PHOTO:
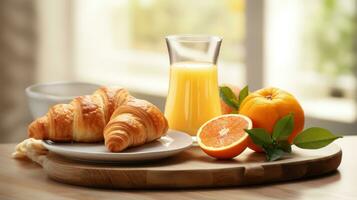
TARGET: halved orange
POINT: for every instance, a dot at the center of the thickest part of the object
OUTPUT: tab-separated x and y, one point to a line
223	137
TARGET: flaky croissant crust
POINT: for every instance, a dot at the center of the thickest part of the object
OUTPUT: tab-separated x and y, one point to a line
82	120
110	113
135	123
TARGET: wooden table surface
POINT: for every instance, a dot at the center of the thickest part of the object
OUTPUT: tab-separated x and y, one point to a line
26	180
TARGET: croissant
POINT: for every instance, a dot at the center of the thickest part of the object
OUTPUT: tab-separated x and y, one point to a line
134	123
125	120
82	120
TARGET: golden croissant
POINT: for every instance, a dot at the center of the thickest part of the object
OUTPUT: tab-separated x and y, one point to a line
134	123
84	119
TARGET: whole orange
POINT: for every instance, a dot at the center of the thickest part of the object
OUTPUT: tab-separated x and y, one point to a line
266	106
226	109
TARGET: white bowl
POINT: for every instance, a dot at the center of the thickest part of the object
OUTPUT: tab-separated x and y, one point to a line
42	96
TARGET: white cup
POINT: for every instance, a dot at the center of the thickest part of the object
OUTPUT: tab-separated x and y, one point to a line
42	96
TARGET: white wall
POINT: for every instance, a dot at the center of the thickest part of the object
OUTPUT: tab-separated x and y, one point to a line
54	61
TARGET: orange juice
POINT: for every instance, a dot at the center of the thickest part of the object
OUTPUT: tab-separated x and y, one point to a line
193	96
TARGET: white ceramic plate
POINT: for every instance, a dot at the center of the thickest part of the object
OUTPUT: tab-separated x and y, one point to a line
174	142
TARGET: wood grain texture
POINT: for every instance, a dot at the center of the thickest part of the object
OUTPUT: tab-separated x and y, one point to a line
25	180
193	168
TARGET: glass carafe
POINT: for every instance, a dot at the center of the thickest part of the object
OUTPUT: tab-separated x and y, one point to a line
193	96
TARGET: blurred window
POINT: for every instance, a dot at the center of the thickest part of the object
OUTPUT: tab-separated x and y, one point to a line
122	42
310	52
308	46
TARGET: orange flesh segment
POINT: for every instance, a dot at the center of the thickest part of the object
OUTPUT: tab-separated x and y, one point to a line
223	131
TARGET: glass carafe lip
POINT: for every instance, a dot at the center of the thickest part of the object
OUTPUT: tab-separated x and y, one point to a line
193	38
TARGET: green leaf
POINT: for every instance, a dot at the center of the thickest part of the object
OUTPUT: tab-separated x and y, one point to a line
243	94
234	112
273	153
283	127
314	138
285	146
229	97
260	136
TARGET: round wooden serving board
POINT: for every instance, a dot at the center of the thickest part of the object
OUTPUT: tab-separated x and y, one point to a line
193	168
